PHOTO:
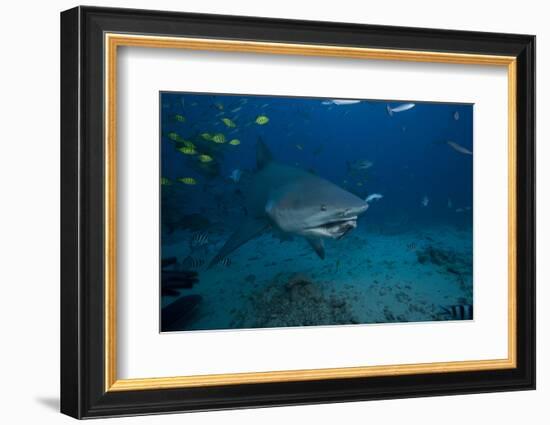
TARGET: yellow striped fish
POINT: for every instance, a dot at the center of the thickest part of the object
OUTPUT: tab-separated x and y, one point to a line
188	181
262	119
228	122
218	138
205	158
187	150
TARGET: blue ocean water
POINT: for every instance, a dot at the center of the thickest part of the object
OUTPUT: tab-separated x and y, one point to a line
409	259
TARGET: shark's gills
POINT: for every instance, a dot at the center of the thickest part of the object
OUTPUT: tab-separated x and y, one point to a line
250	229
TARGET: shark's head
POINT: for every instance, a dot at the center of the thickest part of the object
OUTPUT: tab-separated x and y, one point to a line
295	202
315	208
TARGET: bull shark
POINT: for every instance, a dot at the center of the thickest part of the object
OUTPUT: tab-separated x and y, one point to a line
295	203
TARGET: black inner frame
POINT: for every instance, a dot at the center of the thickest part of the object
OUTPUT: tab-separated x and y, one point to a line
82	212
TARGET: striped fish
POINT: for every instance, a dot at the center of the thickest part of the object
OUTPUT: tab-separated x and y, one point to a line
199	239
193	263
225	261
458	311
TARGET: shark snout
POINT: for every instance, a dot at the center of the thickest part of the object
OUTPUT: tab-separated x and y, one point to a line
355	211
362	208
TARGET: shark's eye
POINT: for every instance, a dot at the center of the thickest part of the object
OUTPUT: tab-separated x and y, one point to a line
323	207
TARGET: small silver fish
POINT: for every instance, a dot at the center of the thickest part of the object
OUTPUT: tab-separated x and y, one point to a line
459	148
373	197
340	102
425	201
456	116
235	175
359	165
399	108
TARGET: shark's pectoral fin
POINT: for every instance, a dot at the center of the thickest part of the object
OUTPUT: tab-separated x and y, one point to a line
249	230
318	246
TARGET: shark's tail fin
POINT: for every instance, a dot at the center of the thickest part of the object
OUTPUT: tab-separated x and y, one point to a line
263	155
390	111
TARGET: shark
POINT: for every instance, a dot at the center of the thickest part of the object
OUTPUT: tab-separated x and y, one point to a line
293	202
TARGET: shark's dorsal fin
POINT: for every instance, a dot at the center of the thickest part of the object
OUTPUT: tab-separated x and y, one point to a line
263	155
318	246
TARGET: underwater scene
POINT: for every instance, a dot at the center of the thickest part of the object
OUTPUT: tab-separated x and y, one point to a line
298	211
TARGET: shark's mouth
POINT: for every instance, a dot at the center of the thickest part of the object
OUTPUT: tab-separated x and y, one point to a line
336	229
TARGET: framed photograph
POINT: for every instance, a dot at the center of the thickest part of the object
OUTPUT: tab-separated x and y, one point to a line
261	212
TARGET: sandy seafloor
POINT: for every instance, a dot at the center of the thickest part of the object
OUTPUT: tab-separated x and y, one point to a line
369	276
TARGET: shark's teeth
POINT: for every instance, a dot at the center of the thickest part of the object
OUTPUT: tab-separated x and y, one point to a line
339	221
335	229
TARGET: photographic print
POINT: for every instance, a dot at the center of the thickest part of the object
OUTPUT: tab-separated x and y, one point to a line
284	211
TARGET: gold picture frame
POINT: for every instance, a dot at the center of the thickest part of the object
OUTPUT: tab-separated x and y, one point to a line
114	41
